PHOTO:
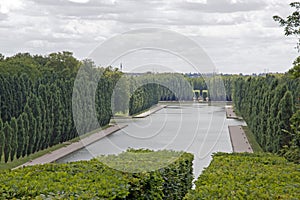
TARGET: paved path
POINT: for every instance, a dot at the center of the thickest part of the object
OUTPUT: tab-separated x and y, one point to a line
230	114
59	153
239	140
149	112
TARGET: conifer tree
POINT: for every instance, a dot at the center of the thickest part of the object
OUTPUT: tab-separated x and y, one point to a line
2	139
21	136
14	138
7	143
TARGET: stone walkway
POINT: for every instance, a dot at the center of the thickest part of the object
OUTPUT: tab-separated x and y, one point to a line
239	140
230	114
59	153
149	112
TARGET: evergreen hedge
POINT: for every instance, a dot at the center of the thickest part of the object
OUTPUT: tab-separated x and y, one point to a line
95	180
248	176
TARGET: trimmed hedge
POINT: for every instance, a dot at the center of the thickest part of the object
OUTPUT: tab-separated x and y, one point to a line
170	176
84	179
248	176
94	180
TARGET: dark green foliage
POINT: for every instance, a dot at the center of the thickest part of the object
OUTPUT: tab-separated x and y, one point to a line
143	98
170	176
286	110
36	100
20	137
31	129
14	138
248	176
7	130
94	180
292	151
148	89
26	125
267	105
295	71
2	139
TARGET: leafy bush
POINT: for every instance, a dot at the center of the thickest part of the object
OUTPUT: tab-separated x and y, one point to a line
94	180
159	175
84	179
248	176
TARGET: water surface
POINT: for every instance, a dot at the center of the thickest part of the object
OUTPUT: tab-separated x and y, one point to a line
201	129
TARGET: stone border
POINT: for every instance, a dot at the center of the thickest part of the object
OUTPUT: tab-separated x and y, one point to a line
239	140
64	151
149	112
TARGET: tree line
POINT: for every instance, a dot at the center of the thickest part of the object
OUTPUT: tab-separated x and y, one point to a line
38	109
36	101
269	105
47	100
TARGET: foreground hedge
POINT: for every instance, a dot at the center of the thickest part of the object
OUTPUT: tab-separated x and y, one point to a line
95	180
171	173
248	176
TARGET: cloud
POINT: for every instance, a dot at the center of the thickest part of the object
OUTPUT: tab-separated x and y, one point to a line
224	6
79	1
233	32
3	16
7	6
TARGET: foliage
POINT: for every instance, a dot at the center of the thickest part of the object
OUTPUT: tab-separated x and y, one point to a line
267	104
292	150
84	179
292	28
170	172
36	102
248	176
295	71
154	87
94	180
252	141
292	22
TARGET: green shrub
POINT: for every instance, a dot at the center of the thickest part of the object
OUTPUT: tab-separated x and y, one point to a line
154	175
248	176
95	180
85	179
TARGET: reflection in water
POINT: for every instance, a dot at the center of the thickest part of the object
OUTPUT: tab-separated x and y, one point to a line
192	127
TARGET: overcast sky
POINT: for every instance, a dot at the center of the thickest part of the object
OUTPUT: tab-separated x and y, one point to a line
238	35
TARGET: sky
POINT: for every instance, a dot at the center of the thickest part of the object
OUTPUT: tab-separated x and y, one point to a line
239	36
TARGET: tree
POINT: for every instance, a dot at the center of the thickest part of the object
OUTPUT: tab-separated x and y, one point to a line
21	136
14	138
286	110
2	139
26	125
64	63
31	131
291	23
7	143
292	150
292	28
295	71
2	57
